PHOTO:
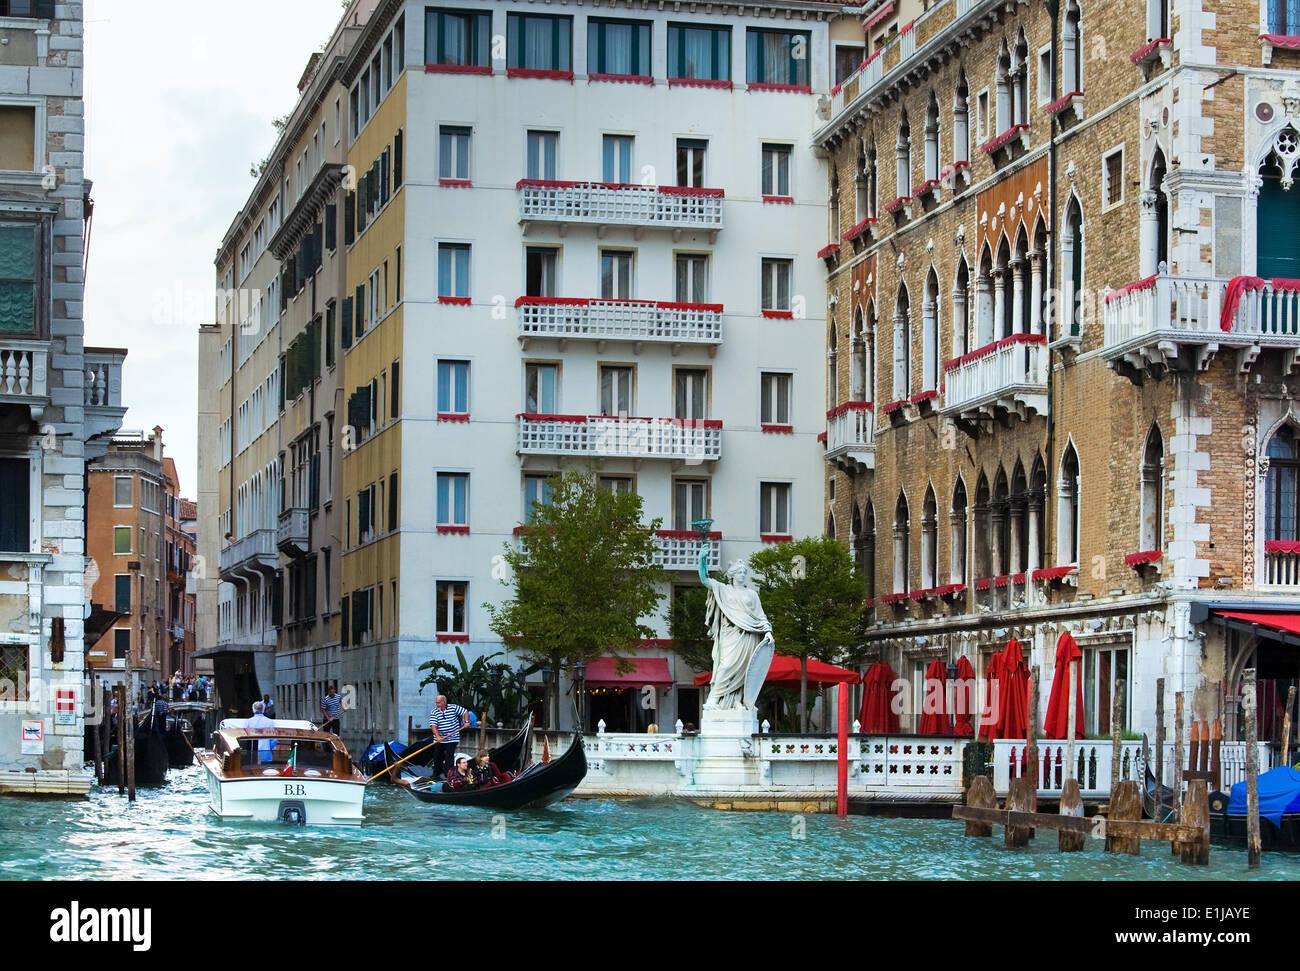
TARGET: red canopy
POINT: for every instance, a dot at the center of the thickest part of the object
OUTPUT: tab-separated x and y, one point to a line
1058	715
877	716
785	672
602	672
1008	679
965	701
934	714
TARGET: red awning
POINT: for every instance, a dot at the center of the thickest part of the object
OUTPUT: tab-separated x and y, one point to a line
785	671
603	673
1286	623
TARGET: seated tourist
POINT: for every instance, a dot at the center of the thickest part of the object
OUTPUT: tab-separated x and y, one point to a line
483	773
458	775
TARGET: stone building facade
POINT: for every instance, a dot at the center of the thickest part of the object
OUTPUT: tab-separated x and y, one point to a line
1063	322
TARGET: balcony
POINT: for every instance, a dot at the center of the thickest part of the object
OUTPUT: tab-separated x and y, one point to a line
102	395
253	555
1003	379
848	437
578	318
613	204
1179	323
679	549
1281	566
293	536
604	436
23	374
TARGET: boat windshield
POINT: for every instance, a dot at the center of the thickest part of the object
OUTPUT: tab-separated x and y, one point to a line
306	754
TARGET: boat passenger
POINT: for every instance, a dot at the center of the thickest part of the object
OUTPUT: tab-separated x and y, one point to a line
265	746
458	775
483	773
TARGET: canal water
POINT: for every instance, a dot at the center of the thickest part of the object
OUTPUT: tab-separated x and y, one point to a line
170	834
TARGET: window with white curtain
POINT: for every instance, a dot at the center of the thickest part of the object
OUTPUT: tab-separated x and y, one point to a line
777	57
616	274
700	53
691	393
776	170
616	159
540	43
776	284
543	147
692	278
618	47
453	152
775	405
615	390
774	508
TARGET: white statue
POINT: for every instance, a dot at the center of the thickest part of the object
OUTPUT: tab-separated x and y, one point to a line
742	637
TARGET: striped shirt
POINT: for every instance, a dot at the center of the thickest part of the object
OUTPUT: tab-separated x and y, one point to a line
331	706
447	721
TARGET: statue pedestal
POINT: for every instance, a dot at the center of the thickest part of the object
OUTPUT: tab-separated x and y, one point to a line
726	754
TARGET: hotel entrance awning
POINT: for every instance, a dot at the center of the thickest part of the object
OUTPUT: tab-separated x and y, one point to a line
1281	627
603	673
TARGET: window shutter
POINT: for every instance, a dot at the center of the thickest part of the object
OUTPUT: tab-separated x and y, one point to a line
385	178
331	228
350	218
346	320
392	502
347	620
361	311
394	385
15	511
397	161
363	201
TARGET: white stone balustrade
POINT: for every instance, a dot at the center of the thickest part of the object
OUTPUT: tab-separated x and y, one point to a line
23	369
1009	375
606	436
849	441
256	551
605	204
631	320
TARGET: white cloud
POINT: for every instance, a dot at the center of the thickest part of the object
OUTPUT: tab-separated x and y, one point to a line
179	102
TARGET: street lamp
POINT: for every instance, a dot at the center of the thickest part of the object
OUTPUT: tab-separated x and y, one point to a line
580	673
546	691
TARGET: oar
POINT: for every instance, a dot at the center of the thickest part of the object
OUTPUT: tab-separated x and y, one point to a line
404	758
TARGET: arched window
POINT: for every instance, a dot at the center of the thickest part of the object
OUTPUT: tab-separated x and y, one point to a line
1019	517
857	361
961	121
929	541
872	183
832	368
1277	246
1037	280
957	535
932	139
961	309
930	333
1003	88
1072	49
1161	214
903	152
1000	514
1037	516
830	526
1153	492
1003	291
1071	319
1067	508
1020	80
1280	498
984	284
860	181
901	538
865	549
983	561
902	345
1020	283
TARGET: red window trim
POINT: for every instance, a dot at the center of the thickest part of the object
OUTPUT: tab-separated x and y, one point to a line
1060	103
993	144
484	69
722	84
897	204
572	419
539	74
916	399
684	534
893	598
990	348
771	87
776	537
1143	284
689	190
454	301
832	250
782	200
1142	558
453	638
779	429
456	183
1281	546
1053	572
983	583
1150	47
926	186
857	230
778	314
453	530
620	78
850	406
453	416
821	437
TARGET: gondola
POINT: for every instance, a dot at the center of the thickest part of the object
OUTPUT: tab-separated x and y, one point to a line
1158	802
537	786
1279	811
510	756
186	731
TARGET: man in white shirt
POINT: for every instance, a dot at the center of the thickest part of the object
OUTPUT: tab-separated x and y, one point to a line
265	746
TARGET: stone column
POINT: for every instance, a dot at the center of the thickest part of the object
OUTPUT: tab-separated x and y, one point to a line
957	549
857	370
1035	292
999	303
1035	510
983	311
901	377
959	322
1148	233
900	558
997	514
1016	509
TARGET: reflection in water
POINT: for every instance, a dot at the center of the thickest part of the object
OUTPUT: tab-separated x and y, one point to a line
170	834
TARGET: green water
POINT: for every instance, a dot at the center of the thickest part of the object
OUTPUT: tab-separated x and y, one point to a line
169	833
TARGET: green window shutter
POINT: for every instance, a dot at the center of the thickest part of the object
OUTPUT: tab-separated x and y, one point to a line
397	161
350	218
395	384
345	320
331	227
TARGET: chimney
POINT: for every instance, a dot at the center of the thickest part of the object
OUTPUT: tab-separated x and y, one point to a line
157	443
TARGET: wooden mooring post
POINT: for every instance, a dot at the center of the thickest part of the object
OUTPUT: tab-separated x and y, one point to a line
980	795
1178	762
1286	726
127	757
1248	711
1196	815
98	742
1116	735
1160	731
119	692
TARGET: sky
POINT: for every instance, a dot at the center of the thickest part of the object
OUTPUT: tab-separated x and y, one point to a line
179	102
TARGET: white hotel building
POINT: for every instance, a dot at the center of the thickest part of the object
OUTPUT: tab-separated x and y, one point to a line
581	233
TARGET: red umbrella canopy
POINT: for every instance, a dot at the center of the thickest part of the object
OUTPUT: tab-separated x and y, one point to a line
1014	721
878	716
1058	715
784	671
994	699
934	716
965	700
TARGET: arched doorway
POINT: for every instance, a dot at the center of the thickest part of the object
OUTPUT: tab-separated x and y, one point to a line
1277	247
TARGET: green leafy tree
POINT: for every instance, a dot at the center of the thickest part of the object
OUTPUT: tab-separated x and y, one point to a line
584	576
813	598
486	688
686	627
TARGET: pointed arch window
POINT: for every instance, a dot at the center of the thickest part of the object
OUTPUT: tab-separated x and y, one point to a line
832	368
1153	492
1072	281
1067	508
1282	485
903	152
929	541
1072	49
901	538
961	121
902	345
957	535
930	334
932	139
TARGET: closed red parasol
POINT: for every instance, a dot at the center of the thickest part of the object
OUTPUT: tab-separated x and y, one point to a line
785	672
878	716
1014	719
934	713
994	699
965	699
1058	716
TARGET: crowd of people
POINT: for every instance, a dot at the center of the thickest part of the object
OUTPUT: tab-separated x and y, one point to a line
179	687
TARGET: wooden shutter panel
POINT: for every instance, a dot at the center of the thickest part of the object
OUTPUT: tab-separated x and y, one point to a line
395	384
346	630
392	502
397	161
350	218
331	228
346	320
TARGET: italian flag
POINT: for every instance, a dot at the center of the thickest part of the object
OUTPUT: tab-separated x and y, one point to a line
293	761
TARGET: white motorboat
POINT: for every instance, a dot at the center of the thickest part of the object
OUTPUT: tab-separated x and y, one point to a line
293	773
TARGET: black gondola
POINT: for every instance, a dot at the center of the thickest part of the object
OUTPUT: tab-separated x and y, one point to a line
537	786
511	756
1158	802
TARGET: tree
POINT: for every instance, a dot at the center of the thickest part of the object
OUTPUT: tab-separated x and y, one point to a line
584	576
813	597
686	627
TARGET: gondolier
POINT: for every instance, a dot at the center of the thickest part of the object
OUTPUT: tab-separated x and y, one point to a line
446	721
330	707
